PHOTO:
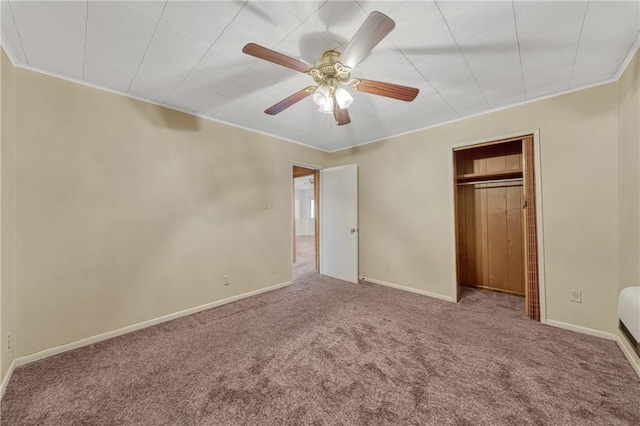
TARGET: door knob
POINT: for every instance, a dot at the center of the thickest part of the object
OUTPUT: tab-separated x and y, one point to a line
353	230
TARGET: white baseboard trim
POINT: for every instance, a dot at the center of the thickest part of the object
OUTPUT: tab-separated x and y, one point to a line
409	289
633	360
108	335
583	330
7	377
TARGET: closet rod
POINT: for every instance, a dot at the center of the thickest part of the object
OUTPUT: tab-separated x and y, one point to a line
491	181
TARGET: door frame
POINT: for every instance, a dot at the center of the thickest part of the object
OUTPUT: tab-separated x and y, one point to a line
539	221
316	208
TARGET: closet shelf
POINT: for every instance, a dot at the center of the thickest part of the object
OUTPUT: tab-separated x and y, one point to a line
504	174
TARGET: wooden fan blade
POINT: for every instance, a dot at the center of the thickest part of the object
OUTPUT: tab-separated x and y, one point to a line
275	57
341	115
373	30
389	90
286	103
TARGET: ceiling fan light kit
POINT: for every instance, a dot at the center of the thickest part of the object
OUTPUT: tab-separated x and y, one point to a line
323	97
333	76
330	74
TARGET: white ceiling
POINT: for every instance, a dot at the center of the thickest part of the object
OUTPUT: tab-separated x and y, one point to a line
465	57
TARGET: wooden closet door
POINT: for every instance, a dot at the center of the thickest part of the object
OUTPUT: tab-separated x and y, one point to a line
497	236
481	237
490	236
504	237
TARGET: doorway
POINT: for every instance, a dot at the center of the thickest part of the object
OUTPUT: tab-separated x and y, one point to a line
305	221
496	219
332	250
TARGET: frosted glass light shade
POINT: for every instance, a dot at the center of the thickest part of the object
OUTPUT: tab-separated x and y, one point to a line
321	96
344	98
327	108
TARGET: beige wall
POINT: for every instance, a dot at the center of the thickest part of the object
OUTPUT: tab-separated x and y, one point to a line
127	211
629	174
629	180
405	201
7	212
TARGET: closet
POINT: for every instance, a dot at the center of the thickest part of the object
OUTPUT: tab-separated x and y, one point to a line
490	219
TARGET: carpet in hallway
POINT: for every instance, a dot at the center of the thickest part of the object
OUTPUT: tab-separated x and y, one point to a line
305	255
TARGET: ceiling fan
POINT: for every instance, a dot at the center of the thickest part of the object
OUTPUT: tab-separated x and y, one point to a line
332	72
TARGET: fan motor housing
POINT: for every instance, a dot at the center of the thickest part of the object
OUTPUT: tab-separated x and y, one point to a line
328	68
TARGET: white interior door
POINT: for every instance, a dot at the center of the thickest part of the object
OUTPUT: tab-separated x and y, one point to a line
339	222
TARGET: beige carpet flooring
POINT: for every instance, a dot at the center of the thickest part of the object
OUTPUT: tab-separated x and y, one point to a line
327	352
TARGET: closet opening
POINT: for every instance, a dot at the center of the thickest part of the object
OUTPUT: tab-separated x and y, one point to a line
496	228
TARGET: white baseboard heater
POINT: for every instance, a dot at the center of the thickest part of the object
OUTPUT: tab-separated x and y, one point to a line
629	315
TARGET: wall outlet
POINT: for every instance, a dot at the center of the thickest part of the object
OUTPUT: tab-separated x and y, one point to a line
8	341
226	280
576	296
387	266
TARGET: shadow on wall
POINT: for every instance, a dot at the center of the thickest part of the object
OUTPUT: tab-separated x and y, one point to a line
166	117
